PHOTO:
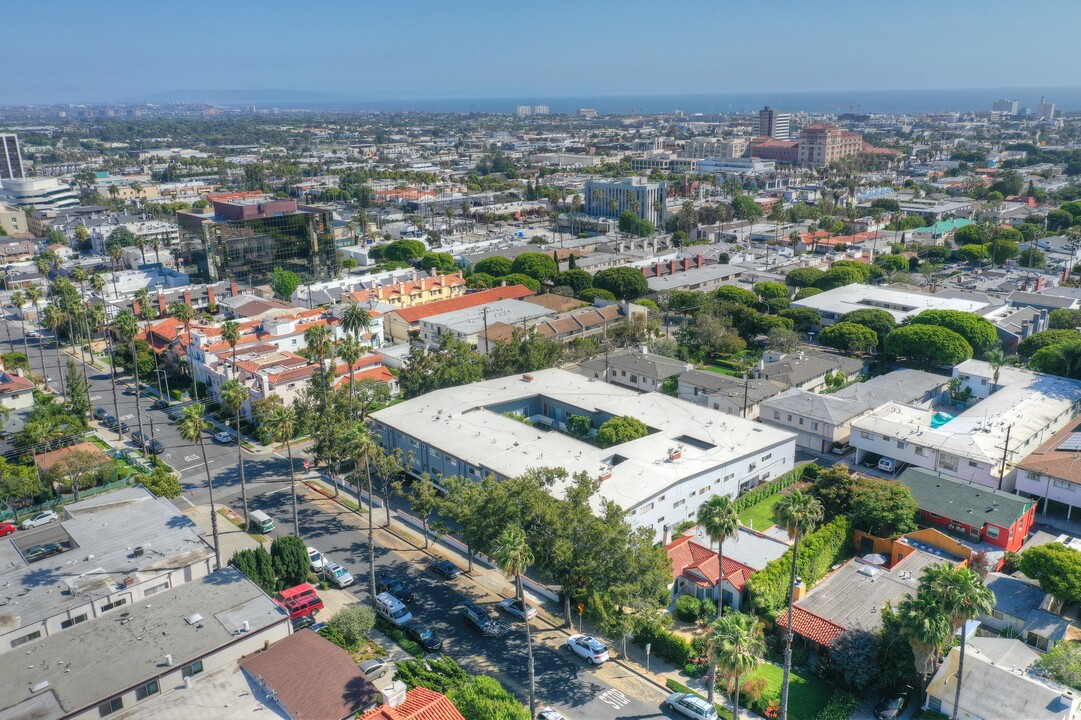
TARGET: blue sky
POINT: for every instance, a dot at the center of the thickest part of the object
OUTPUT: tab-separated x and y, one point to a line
64	51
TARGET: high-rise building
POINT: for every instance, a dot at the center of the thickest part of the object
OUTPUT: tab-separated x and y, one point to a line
540	109
1006	107
246	240
44	193
1045	110
774	124
610	198
11	160
523	110
822	144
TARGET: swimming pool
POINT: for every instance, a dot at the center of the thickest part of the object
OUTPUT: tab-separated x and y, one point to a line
941	418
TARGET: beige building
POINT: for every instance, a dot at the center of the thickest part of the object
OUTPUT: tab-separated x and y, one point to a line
822	144
703	148
13	220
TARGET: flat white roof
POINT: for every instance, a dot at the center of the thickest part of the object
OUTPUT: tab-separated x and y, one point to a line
898	303
455	420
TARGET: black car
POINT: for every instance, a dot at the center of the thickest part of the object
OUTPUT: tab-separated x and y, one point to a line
40	552
123	427
160	404
100	413
109	421
422	634
445	568
154	447
304	621
387	582
138	438
479	617
892	705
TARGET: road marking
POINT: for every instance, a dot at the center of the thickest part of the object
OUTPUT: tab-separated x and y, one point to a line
197	465
95	397
191	458
275	492
127	417
615	698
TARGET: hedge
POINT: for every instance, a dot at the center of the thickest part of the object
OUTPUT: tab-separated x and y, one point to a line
399	637
841	707
818	552
665	645
760	493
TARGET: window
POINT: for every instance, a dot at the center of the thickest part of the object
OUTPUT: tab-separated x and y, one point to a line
751	467
26	639
789	418
678	503
704	490
729	476
110	706
151	688
973	463
992	532
634	378
194	669
900	444
114	604
1030	475
776	415
65	624
1064	484
660	499
801	421
921	451
156	588
947	462
414	443
647	507
815	426
865	435
767	456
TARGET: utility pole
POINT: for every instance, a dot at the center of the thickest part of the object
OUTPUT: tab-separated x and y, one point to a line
1005	451
746	385
485	313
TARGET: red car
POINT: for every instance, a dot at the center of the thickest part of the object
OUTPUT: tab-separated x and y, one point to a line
6	529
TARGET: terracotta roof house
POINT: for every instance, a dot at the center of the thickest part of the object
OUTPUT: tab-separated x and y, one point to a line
420	704
695	571
327	684
397	324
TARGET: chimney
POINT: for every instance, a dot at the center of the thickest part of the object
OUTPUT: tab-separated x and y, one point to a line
234	290
799	590
1039	283
1042	325
211	299
699	260
686	264
161	303
674	267
135	307
187	298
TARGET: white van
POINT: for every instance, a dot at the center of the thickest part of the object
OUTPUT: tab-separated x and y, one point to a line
392	610
887	465
260	521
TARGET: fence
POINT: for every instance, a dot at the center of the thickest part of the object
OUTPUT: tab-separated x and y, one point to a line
64	499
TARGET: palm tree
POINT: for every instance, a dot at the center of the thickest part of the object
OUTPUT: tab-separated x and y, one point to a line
318	342
349	351
996	359
233	397
736	646
361	445
17	302
963	597
927	629
513	556
356	319
797	513
192	425
718	517
282	425
53	316
230	333
127	327
186	315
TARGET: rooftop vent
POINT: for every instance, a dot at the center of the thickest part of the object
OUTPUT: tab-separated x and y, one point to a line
194	619
39	686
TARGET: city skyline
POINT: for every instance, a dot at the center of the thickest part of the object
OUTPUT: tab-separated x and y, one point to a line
370	54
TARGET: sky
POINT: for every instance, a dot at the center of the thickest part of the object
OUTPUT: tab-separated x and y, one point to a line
369	50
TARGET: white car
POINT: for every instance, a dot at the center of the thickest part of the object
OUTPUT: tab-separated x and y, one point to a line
517	608
42	518
337	575
692	706
550	714
316	559
588	647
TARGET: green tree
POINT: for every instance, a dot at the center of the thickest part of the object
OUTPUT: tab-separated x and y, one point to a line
978	332
284	283
161	481
625	283
291	562
257	565
733	294
883	508
1057	568
853	659
927	346
803	277
577	280
768	290
1063	319
745	208
892	263
621	429
736	646
804	319
78	402
513	556
483	698
1046	338
798	514
520	279
974	234
1062	664
782	340
282	427
720	520
233	397
806	293
523	353
353	623
837	277
192	426
18	484
453	363
591	293
849	337
443	262
537	265
1032	258
973	254
404	250
496	266
926	627
877	319
423	498
127	328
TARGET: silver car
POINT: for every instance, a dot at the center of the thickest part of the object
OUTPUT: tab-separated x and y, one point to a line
42	518
337	575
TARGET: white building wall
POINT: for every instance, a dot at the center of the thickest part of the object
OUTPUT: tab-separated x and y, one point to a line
962	468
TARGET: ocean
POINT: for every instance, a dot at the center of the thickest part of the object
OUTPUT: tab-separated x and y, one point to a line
857	101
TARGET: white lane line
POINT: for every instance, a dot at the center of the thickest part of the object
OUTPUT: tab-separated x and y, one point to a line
191	467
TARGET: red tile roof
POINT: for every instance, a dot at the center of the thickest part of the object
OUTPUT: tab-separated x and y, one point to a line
813	627
686	554
420	704
419	312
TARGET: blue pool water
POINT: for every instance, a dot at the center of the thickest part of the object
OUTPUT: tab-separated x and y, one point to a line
941	418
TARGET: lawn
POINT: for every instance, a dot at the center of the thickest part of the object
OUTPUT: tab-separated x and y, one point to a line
760	515
807	694
721	370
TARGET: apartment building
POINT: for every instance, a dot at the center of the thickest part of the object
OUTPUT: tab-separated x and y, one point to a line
611	198
773	124
822	144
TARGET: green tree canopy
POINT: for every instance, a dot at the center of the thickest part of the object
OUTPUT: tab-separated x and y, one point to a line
1057	568
979	332
803	277
768	290
621	429
520	279
807	292
404	250
291	562
577	280
874	318
1063	319
1062	664
892	263
496	266
974	234
972	253
883	508
849	337
734	294
837	277
540	266
438	261
625	283
927	346
284	283
804	319
1046	338
594	293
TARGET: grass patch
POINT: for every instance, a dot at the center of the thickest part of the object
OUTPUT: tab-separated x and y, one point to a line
722	712
807	694
721	370
99	443
760	515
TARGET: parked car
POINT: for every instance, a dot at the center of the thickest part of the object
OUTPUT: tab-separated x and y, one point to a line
549	713
222	438
138	438
40	552
154	447
299	600
42	518
424	635
891	706
517	608
887	465
100	413
160	404
109	421
316	559
6	529
691	706
378	668
479	617
388	582
392	610
304	621
318	626
336	575
588	647
445	568
129	391
123	427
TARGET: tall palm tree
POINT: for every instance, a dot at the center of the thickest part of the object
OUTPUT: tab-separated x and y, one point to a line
318	342
513	556
53	317
148	312
927	629
127	327
996	359
356	320
17	302
798	513
186	315
963	597
718	517
112	379
736	646
230	333
349	351
282	425
192	425
233	397
360	446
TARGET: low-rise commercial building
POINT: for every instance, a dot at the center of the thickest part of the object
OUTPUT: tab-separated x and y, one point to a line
834	304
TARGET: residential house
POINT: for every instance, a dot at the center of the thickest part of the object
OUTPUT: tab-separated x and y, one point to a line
1052	472
1024	610
975	512
704	278
400	326
726	393
636	368
805	368
16	392
468	324
696	572
565	326
420	703
834	304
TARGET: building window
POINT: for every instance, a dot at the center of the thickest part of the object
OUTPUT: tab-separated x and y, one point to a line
156	588
110	706
973	463
704	490
815	426
114	604
992	532
634	378
729	476
900	444
789	418
1064	484
26	639
678	503
865	435
65	624
194	669
776	415
751	467
414	443
151	688
767	456
647	507
947	462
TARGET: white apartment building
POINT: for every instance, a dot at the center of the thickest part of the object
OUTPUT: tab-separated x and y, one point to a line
43	193
703	148
774	124
610	198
